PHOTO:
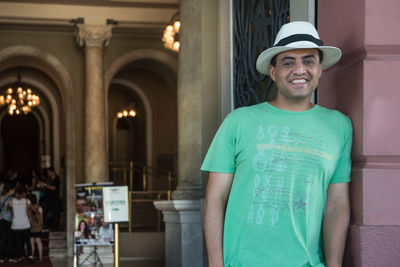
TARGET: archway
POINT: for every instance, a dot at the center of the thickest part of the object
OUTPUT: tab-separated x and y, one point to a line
33	57
147	78
150	75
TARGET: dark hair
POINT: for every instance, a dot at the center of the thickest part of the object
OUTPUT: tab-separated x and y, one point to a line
32	198
50	169
321	57
21	189
8	186
86	232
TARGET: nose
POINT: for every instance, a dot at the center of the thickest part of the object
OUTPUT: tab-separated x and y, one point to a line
299	68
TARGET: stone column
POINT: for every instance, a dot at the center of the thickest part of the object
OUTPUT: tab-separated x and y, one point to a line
183	232
94	38
197	95
189	103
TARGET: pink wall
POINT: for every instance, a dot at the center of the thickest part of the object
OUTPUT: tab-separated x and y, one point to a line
365	86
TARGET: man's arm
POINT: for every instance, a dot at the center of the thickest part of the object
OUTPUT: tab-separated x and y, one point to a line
218	188
335	223
48	186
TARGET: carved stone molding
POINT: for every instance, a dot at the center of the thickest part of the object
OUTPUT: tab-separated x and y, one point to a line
93	35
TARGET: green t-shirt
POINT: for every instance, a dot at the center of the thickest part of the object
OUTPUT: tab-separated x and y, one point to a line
282	163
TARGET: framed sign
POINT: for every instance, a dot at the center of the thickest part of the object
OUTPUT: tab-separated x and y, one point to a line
89	211
115	204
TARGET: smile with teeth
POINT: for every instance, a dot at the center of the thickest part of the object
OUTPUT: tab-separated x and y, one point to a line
297	81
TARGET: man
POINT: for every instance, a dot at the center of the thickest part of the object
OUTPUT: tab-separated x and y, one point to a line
51	207
106	232
277	193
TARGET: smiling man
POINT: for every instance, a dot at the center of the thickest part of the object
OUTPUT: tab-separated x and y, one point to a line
277	193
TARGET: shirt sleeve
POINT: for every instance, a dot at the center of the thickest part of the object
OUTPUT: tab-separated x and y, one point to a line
221	154
343	167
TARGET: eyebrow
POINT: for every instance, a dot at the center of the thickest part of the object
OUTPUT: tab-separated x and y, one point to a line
292	58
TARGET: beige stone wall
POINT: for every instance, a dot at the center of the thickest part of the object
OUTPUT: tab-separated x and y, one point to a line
62	46
121	44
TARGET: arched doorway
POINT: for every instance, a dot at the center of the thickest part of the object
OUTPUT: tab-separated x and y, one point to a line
51	78
46	115
20	135
148	78
145	79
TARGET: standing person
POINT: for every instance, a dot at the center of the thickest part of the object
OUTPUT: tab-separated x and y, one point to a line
6	236
277	193
36	221
51	206
20	223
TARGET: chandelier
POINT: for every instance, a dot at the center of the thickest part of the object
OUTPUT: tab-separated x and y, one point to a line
171	34
19	100
128	111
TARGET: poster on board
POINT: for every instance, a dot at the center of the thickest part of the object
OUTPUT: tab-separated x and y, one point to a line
89	219
115	202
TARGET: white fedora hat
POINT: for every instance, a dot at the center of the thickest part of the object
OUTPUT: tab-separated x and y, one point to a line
297	35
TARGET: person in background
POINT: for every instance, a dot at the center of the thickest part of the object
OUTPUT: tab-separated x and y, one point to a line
20	223
51	205
36	221
6	236
34	183
106	232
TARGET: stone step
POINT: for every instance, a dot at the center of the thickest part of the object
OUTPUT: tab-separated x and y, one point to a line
58	253
57	243
57	235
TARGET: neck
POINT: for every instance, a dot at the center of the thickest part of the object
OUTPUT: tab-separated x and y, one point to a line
295	105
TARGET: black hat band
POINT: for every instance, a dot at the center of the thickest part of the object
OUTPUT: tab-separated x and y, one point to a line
299	37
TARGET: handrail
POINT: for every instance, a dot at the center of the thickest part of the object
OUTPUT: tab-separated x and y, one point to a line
127	171
140	165
159	196
129	168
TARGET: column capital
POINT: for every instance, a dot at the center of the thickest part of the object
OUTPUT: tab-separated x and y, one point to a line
93	35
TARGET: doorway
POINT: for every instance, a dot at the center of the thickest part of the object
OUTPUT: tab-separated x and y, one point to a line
20	136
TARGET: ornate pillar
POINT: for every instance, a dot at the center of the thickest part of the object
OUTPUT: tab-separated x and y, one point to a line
94	38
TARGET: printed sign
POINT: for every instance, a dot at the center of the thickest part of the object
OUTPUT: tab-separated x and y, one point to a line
89	222
115	203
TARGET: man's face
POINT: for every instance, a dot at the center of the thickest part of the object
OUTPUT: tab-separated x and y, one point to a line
296	73
50	173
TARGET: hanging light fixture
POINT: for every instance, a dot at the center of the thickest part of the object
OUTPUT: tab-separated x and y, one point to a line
19	100
171	34
128	111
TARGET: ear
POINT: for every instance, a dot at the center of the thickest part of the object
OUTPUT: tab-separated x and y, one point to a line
272	72
320	70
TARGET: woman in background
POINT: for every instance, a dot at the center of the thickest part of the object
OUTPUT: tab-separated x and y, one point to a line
6	235
36	221
20	223
83	231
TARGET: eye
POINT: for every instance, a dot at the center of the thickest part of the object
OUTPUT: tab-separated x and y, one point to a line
287	64
309	62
